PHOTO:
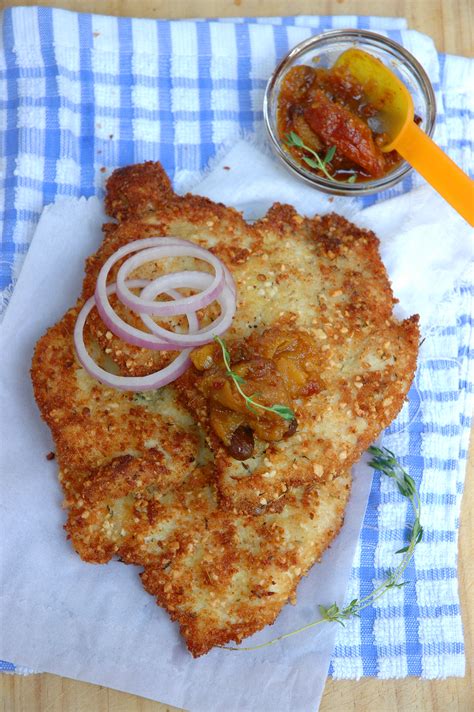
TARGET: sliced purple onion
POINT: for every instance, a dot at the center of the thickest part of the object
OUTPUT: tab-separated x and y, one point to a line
219	287
130	334
192	280
179	306
155	380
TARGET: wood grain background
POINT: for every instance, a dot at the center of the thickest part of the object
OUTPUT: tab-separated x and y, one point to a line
450	23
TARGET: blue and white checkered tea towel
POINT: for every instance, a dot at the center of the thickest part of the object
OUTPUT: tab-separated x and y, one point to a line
82	94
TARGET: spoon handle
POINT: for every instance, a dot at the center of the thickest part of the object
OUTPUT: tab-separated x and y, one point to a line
438	169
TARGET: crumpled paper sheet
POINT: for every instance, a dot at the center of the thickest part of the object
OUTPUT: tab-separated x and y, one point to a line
96	623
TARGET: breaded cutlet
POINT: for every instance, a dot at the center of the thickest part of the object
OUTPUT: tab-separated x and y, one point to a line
225	542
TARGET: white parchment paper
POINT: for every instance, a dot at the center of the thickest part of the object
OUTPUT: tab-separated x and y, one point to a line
96	623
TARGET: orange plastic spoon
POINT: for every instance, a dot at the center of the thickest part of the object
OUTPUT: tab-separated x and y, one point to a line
396	112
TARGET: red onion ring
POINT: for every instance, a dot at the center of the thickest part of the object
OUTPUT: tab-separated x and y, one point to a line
130	334
193	280
151	249
219	287
128	383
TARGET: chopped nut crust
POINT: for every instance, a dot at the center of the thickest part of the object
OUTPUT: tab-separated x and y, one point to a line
224	542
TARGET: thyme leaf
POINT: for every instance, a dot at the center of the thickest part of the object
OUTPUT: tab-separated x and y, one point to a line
334	614
282	410
320	164
330	155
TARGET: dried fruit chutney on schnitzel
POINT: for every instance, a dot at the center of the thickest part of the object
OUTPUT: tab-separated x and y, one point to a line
227	484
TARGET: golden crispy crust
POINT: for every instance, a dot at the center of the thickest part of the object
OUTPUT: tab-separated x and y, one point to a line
237	571
107	443
323	275
130	190
223	546
367	358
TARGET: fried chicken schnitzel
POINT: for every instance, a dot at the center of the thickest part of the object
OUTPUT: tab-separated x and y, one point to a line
150	478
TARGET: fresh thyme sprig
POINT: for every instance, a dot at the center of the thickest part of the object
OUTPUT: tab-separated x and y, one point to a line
384	461
282	410
292	139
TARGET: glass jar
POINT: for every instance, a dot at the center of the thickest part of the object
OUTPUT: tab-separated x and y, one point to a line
322	51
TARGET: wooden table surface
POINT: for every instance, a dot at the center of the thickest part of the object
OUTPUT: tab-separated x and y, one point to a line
450	23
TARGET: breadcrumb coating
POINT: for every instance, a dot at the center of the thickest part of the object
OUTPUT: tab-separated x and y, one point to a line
224	543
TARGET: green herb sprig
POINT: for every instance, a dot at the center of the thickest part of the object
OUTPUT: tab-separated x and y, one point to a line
384	461
282	410
292	139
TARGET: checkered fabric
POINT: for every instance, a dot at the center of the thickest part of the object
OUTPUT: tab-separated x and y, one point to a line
82	94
